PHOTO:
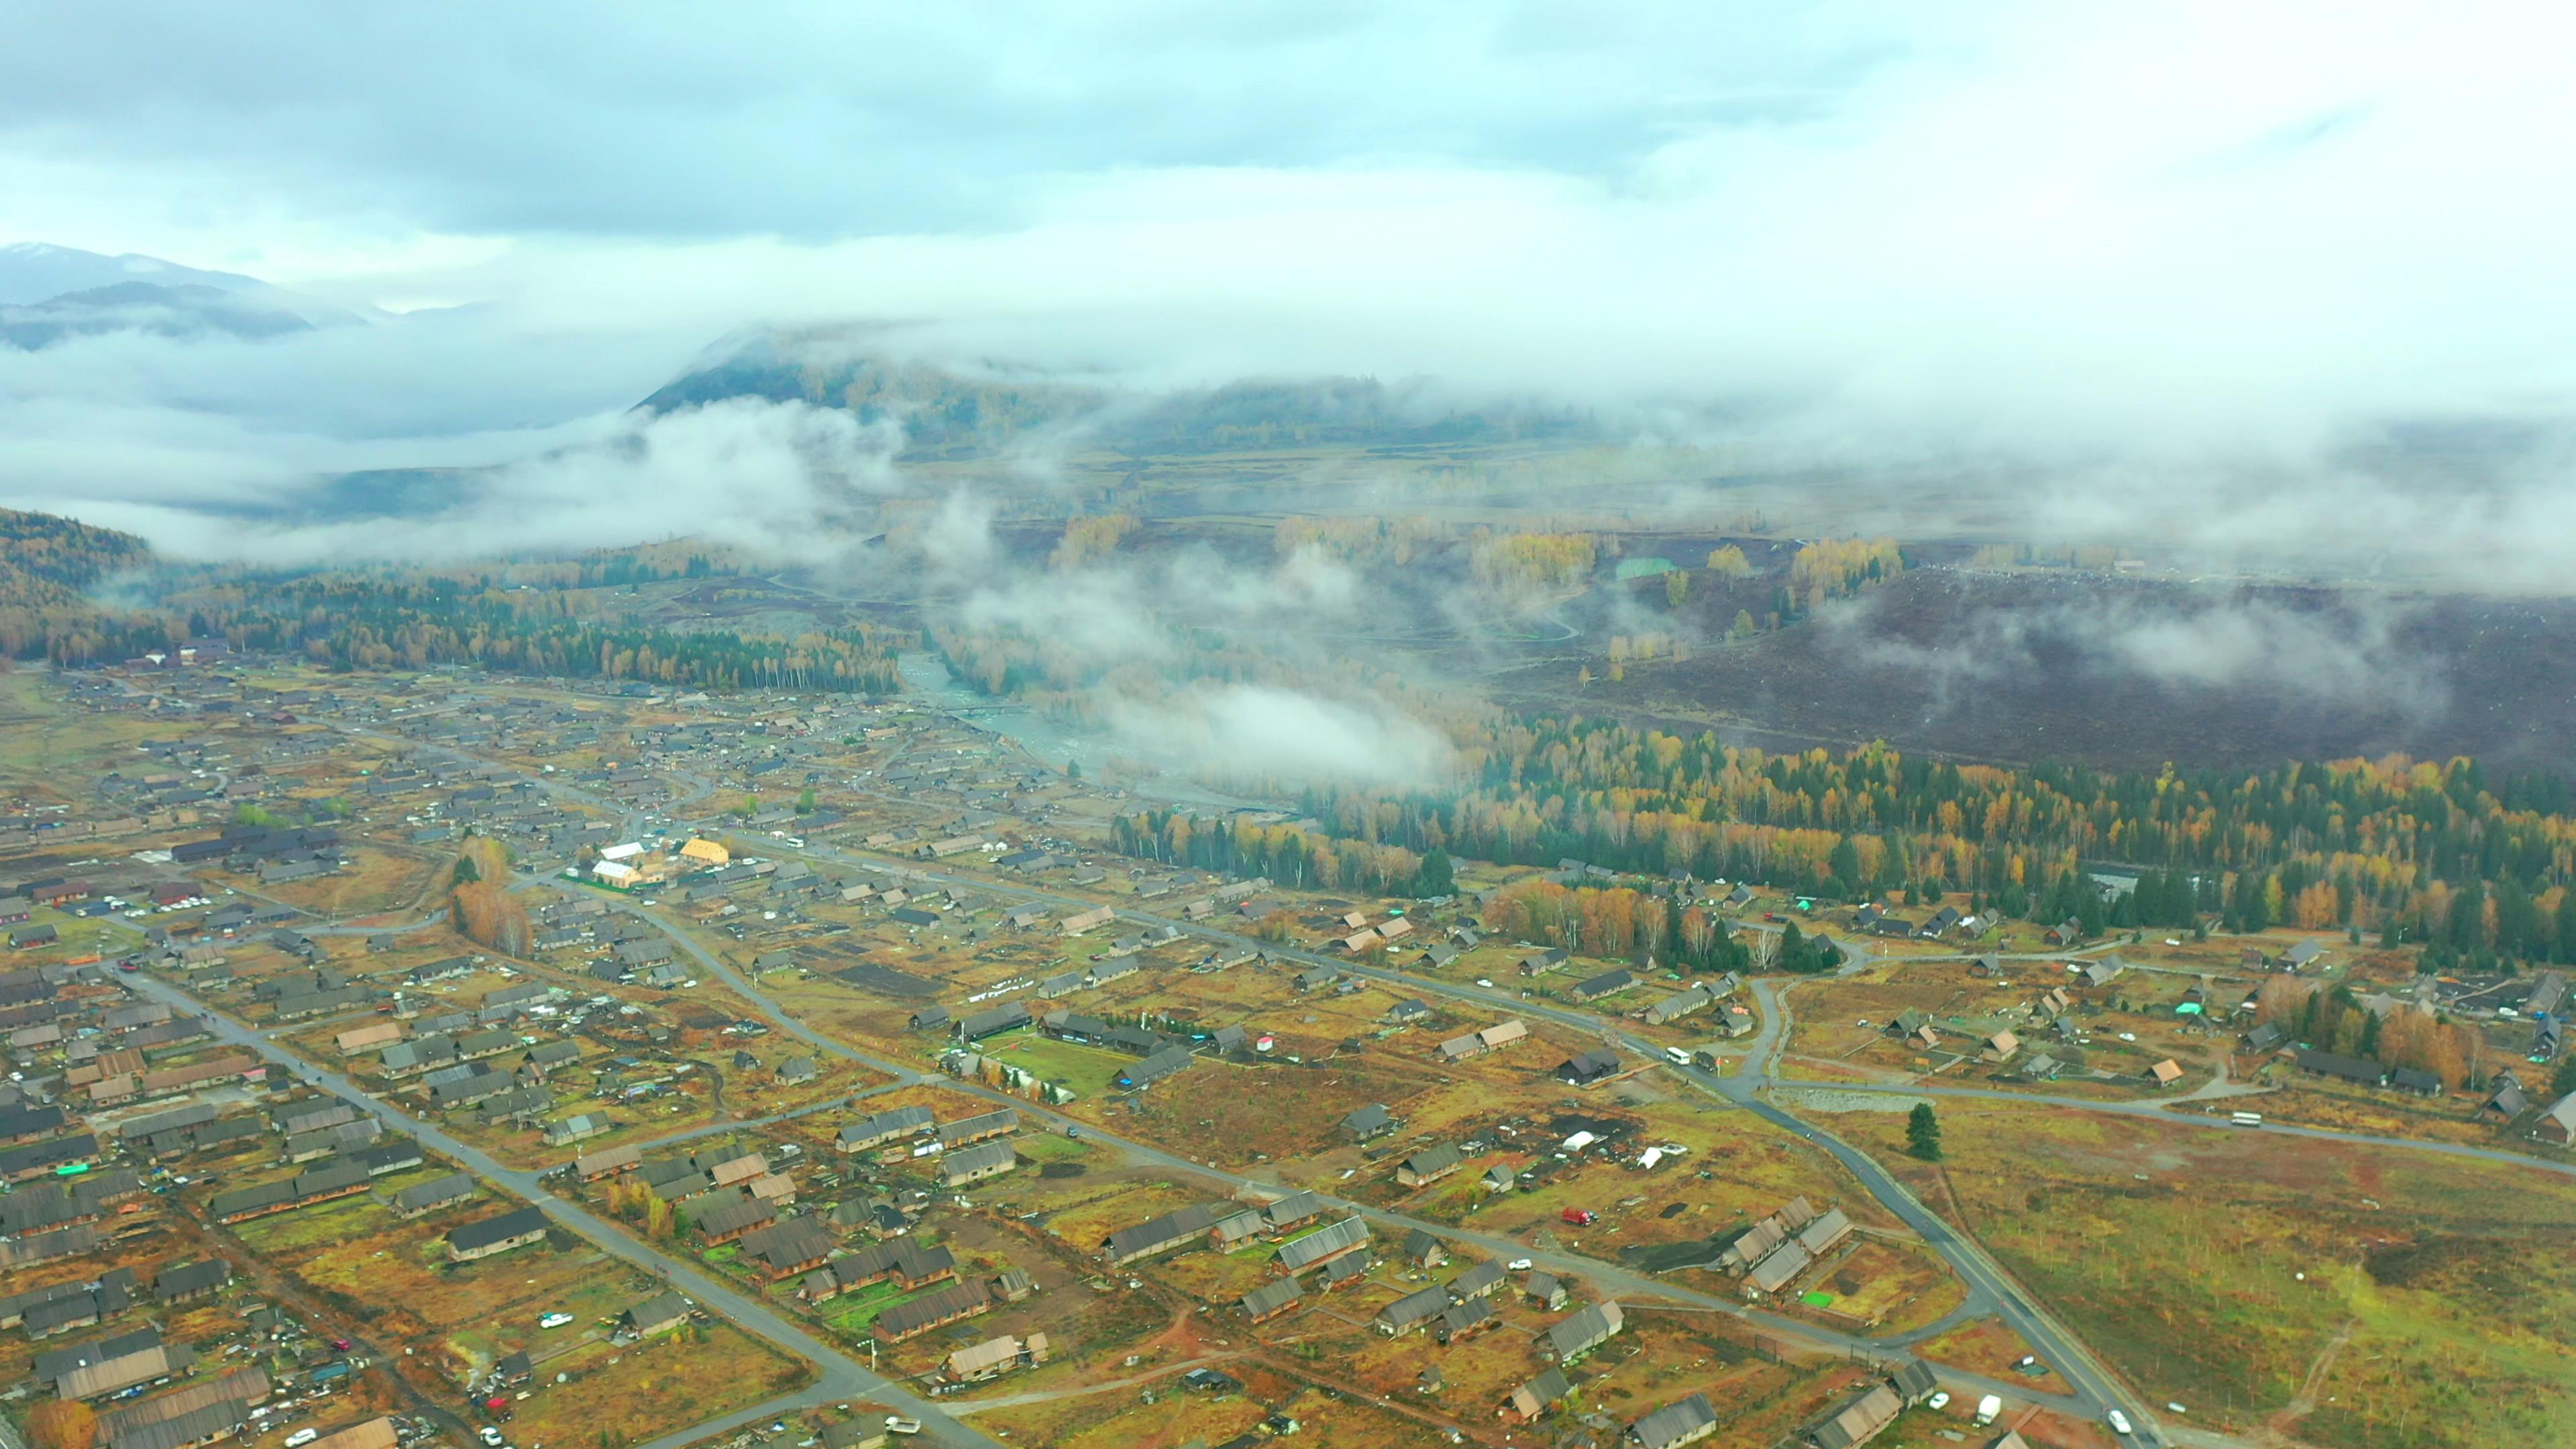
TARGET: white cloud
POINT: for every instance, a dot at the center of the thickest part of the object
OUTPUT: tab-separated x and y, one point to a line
2180	242
784	479
1261	732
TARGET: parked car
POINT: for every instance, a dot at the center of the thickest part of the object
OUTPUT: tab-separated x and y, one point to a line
1580	1217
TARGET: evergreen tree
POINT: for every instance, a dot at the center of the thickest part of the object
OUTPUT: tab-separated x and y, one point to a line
2466	927
1923	1133
1436	877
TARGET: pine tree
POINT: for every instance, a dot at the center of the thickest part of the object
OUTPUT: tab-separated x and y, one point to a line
1436	877
1923	1133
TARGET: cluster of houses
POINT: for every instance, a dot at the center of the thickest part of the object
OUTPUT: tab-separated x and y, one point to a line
1859	1418
1498	1037
1772	1253
1365	937
1874	920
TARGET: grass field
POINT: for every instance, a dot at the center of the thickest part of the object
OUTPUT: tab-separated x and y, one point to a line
1090	1071
2354	1296
42	743
1987	1346
376	880
629	1395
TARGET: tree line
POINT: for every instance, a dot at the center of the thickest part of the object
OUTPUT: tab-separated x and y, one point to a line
2411	851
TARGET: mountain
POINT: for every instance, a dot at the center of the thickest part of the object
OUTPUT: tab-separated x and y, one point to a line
938	407
954	408
189	310
36	271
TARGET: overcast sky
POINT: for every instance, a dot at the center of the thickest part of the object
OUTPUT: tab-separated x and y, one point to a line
2171	236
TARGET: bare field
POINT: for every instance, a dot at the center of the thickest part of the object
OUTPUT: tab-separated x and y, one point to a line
2352	1295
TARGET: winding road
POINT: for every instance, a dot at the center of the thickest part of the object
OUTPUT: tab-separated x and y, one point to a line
2094	1389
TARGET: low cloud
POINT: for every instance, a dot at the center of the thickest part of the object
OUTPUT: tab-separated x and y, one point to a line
1094	618
957	540
2340	652
784	480
1307	585
1261	732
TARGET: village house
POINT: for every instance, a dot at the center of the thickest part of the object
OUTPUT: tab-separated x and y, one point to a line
1368	1122
1580	1332
1531	1400
660	1313
1271	1299
1429	1165
496	1235
1414	1310
2558	1123
1686	1421
1858	1422
786	1247
932	1310
991	1159
1347	1238
1590	1069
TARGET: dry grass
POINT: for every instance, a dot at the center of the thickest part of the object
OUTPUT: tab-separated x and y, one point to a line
666	1383
2215	1268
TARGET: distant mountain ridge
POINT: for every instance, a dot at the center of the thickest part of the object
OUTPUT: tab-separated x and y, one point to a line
39	271
51	294
962	408
184	311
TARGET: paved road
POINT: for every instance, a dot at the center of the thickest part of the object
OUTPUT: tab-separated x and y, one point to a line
841	1379
2160	1109
1989	1285
1612	1278
2095	1389
1989	1289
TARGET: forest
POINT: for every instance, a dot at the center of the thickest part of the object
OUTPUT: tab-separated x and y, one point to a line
2405	850
78	595
362	621
2394	1034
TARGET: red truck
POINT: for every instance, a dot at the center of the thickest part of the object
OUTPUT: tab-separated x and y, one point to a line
1580	1217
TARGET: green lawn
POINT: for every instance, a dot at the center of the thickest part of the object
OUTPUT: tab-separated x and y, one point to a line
1090	1071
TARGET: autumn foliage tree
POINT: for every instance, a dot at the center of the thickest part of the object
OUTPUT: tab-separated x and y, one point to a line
2395	1034
1831	568
63	1424
481	905
1086	539
1522	561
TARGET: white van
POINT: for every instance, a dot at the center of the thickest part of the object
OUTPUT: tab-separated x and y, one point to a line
302	1437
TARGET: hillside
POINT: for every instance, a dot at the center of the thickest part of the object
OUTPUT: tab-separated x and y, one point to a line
955	408
188	310
48	565
40	552
35	271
